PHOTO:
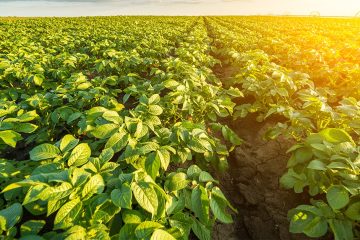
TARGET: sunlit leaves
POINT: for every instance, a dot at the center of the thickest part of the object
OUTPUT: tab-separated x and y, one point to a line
10	137
67	214
95	185
79	155
44	151
146	196
122	197
10	216
104	129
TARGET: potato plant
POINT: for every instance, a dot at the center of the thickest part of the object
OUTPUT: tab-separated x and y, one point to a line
109	128
322	119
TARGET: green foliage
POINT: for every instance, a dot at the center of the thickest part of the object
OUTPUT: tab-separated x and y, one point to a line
326	163
99	115
95	122
309	95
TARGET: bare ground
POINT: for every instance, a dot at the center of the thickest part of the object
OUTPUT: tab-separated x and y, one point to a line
252	185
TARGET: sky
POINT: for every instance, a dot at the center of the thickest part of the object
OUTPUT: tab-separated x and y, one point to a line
177	7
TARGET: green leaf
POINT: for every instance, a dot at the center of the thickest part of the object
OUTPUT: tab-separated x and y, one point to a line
299	220
76	233
83	86
193	172
36	208
44	151
106	155
127	231
112	116
79	155
28	116
37	79
68	142
171	84
10	216
95	185
160	234
73	117
200	203
181	221
334	135
206	177
164	157
154	99
117	141
217	193
317	165
58	192
146	228
25	127
303	154
139	129
291	179
308	223
10	137
152	165
316	228
337	197
176	182
198	145
33	194
353	211
155	110
342	229
162	198
105	130
54	205
234	92
218	207
67	215
148	147
31	227
108	167
146	196
201	231
31	237
79	177
122	197
132	216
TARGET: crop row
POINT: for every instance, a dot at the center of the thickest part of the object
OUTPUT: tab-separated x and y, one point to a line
99	117
326	49
325	161
109	126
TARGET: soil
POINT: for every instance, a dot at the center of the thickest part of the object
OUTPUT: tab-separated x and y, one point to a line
252	186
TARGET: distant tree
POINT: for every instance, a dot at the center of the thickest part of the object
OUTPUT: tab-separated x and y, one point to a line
357	14
314	14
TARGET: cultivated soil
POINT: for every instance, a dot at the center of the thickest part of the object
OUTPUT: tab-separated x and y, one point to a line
252	185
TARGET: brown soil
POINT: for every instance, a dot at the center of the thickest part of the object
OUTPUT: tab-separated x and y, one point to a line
252	185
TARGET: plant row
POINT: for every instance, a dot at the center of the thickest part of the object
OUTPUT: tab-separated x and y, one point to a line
325	160
109	127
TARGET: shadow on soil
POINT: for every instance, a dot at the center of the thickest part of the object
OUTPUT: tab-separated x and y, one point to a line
252	185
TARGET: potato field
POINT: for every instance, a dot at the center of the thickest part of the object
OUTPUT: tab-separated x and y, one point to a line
164	128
